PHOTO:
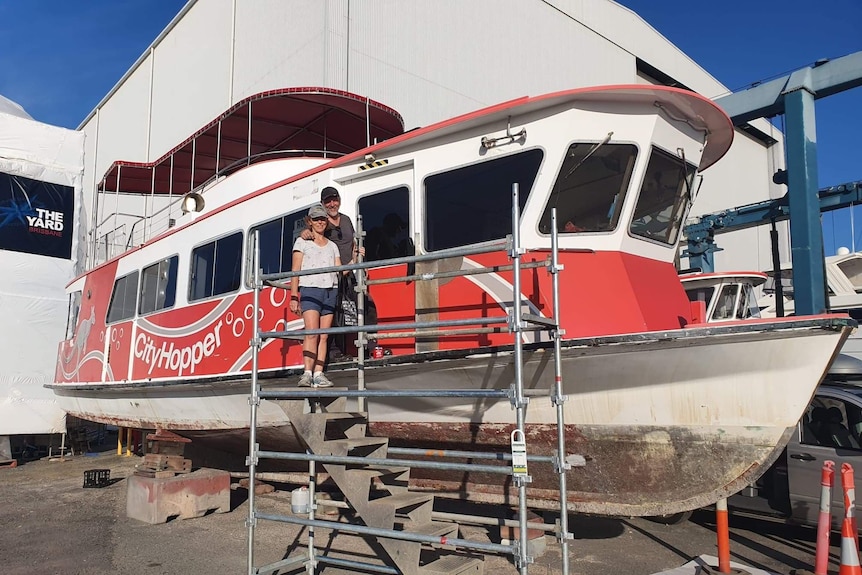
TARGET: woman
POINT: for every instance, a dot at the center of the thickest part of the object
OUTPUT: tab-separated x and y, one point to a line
319	294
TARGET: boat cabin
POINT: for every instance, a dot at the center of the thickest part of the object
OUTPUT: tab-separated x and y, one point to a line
723	296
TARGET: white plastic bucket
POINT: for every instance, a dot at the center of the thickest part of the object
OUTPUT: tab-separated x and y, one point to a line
299	500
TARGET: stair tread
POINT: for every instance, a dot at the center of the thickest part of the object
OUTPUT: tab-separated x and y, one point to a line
340	414
433	528
379	471
403	499
452	564
358	441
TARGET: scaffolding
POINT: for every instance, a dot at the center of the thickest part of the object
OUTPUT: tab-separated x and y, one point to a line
403	521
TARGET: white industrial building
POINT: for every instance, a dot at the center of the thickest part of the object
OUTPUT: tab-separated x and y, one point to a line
427	60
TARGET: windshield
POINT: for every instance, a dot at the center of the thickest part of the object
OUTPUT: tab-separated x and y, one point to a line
664	198
590	188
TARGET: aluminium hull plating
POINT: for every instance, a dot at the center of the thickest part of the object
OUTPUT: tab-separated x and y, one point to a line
667	421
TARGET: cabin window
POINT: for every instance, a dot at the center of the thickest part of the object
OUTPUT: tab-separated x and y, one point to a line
590	188
748	307
159	285
664	197
725	305
473	204
385	216
216	267
72	313
123	298
276	243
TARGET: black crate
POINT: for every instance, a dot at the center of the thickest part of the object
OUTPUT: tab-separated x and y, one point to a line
97	477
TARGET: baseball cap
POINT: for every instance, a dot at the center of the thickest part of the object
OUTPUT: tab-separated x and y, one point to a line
317	211
329	192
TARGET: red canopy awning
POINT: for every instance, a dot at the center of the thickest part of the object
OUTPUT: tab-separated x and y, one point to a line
309	122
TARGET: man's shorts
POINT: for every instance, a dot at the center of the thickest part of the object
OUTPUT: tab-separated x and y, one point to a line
321	300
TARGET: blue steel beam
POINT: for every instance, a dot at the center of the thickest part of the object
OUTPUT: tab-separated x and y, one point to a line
806	234
700	235
767	99
794	95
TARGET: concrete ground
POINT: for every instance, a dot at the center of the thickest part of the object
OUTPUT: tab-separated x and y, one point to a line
52	525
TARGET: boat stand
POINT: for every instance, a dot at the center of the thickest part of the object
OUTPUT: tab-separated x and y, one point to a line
369	473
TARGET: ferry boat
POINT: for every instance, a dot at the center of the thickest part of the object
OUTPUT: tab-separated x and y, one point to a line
670	412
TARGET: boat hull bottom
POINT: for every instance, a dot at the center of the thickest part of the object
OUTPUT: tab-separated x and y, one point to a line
629	471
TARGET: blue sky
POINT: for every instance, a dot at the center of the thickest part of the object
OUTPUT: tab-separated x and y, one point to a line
58	58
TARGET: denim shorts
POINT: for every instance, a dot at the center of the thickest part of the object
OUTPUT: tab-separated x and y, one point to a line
321	300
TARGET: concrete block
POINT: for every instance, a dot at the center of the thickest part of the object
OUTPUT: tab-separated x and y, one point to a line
155	500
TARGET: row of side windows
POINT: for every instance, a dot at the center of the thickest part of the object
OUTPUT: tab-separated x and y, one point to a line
157	291
215	269
481	193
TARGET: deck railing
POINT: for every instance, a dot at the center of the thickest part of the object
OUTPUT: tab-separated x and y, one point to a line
128	230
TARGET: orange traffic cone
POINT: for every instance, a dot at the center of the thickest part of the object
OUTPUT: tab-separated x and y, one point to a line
849	552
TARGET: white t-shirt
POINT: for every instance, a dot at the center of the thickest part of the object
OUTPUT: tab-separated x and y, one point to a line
314	257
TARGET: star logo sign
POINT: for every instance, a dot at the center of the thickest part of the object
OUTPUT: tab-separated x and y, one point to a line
14	212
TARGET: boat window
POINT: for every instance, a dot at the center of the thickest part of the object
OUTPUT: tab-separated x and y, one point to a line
276	243
159	285
748	307
473	204
590	188
663	198
852	268
385	216
725	305
216	267
72	313
123	298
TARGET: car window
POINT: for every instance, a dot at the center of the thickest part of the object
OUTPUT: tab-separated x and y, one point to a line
832	422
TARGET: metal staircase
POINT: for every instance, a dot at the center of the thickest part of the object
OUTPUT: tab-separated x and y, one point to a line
378	494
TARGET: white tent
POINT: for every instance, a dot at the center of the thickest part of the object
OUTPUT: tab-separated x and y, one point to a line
41	171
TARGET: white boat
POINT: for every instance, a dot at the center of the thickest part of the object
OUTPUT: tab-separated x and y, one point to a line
843	275
670	413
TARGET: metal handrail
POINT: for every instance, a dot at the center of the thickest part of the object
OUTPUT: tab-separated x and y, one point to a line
486	248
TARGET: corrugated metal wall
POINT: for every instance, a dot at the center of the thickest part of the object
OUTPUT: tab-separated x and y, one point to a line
191	76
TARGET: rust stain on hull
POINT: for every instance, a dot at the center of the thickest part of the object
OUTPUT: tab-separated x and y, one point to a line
629	470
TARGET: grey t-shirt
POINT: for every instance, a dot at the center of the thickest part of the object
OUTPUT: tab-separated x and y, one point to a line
342	235
314	257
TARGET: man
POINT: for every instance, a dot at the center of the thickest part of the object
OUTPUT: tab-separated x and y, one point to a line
340	231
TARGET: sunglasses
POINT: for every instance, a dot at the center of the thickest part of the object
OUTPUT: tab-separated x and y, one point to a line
319	219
